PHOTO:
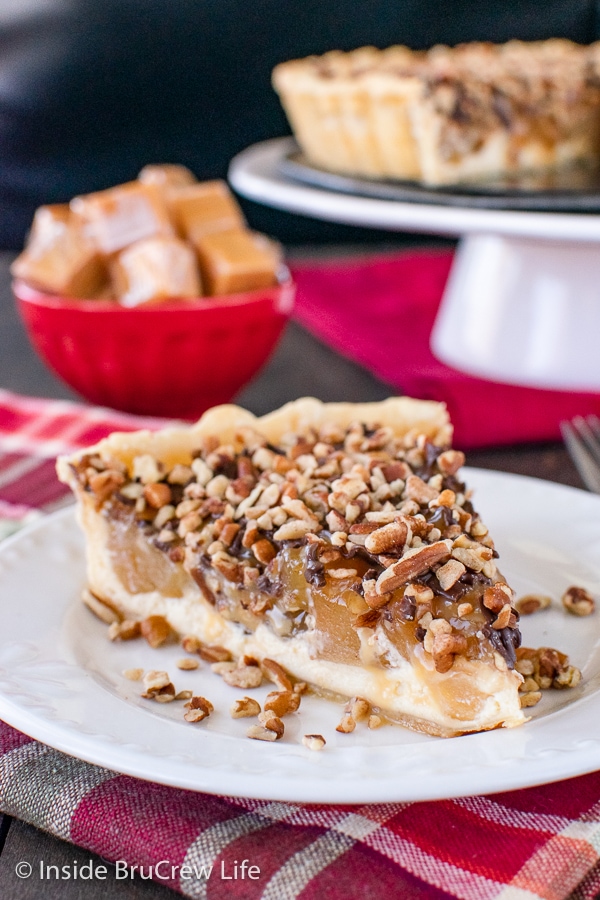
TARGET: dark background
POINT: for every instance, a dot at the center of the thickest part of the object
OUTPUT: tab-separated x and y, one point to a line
91	90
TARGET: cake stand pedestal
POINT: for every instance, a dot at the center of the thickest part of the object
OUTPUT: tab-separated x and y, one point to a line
522	304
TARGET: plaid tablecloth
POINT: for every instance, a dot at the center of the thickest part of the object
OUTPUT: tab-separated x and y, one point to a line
537	843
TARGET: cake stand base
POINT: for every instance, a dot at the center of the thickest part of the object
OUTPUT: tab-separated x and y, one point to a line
523	311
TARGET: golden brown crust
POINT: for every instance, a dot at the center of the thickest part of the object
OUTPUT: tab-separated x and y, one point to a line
172	445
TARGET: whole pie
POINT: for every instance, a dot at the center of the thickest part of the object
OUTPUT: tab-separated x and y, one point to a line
337	540
447	115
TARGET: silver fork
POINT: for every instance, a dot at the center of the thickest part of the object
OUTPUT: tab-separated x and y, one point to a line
582	440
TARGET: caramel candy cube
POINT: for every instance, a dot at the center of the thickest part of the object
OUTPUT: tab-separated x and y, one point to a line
167	176
203	209
154	270
122	215
59	257
235	261
47	222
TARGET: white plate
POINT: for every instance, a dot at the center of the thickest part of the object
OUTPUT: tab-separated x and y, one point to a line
61	681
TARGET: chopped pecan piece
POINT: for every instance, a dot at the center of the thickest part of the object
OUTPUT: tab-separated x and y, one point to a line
292	530
578	601
282	702
245	708
190	643
314	741
272	723
445	648
264	551
568	677
186	663
346	724
531	603
147	469
419	491
503	619
339	574
243	677
104	484
388	537
156	630
529	684
212	653
277	674
165	695
228	533
449	573
446	498
157	494
198	708
180	474
421	593
159	687
530	698
414	563
220	668
260	733
496	597
524	666
133	674
358	708
450	461
126	630
156	679
469	558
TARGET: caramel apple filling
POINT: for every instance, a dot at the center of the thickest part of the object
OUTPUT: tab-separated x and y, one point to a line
361	544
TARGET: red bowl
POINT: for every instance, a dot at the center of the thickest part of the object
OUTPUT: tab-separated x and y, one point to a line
177	359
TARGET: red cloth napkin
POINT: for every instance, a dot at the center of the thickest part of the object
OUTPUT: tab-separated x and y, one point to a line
536	844
379	312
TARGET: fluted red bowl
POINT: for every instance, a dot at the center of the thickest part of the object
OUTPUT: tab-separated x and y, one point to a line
176	359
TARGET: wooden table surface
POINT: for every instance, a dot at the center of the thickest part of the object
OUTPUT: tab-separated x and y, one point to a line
301	366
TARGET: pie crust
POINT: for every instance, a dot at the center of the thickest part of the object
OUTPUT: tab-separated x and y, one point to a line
448	115
335	539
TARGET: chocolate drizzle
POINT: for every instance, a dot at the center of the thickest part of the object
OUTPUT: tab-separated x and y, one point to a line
269	584
442	515
198	577
505	641
463	586
314	570
431	453
407	609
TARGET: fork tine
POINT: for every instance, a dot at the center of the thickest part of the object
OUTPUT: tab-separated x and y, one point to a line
585	463
585	430
594	423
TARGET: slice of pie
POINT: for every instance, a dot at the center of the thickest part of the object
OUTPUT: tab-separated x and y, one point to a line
336	539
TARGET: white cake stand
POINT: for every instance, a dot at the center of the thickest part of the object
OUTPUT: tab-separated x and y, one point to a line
522	304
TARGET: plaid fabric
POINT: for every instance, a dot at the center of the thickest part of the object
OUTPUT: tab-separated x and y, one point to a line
537	843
